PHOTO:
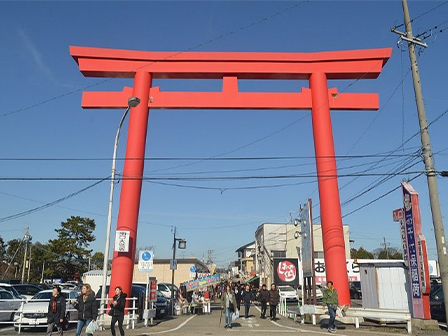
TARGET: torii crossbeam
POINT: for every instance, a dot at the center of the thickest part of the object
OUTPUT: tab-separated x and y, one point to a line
318	68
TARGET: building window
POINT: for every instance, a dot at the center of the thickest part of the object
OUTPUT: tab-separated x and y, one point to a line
278	254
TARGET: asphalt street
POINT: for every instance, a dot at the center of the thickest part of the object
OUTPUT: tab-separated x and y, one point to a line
209	324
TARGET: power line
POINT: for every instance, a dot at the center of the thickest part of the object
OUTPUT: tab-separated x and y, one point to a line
28	212
243	158
207	178
378	198
423	14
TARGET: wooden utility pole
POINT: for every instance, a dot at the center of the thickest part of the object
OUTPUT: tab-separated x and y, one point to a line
430	170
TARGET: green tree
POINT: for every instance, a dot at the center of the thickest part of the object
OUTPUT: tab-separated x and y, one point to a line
360	253
390	253
71	248
2	249
41	260
13	259
96	261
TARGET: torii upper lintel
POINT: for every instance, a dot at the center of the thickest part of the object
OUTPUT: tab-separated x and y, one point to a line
318	68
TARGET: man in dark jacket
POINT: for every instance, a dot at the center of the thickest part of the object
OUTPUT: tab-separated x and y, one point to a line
238	296
263	297
87	308
247	299
274	299
56	311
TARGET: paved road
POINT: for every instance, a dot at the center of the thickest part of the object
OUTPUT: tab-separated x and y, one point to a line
198	325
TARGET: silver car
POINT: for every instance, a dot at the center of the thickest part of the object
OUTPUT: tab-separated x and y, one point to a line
35	311
8	305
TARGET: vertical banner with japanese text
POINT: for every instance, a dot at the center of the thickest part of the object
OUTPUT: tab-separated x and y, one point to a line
416	253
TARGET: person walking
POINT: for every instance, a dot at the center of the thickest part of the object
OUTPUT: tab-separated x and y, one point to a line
247	299
330	299
87	307
274	299
238	296
228	302
117	305
263	297
56	312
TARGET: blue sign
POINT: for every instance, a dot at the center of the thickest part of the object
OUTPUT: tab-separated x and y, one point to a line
146	255
192	269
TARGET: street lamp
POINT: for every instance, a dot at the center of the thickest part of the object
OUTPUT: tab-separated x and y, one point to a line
182	246
132	102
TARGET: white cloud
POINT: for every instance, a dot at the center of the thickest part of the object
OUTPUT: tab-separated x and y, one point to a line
37	57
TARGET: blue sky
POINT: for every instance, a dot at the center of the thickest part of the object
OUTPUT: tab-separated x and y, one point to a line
41	117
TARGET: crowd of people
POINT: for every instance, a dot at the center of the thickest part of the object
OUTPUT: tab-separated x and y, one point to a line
233	296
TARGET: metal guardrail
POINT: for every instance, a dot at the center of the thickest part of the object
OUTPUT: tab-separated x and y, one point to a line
129	321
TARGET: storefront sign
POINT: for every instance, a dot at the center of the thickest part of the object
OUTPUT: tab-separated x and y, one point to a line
202	282
286	272
319	269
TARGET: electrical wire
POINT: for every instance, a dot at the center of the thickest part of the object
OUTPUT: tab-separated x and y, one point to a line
423	14
47	205
214	158
379	197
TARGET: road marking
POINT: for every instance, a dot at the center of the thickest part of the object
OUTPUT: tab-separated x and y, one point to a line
174	329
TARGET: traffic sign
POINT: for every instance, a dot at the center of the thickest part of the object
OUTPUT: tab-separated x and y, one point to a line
145	261
173	264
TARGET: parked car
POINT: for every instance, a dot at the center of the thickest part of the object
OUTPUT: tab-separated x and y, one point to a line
163	304
35	310
437	305
42	286
27	290
10	281
288	292
8	305
165	289
355	290
68	285
319	294
12	290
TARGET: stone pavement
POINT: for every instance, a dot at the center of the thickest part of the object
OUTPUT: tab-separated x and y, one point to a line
208	325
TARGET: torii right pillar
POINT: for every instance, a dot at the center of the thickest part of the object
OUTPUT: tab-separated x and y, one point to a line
330	209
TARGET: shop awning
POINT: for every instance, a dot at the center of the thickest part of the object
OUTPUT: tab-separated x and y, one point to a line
252	279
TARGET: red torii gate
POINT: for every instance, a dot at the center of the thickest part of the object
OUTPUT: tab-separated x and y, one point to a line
231	66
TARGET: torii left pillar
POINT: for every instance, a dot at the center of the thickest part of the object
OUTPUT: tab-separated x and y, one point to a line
123	262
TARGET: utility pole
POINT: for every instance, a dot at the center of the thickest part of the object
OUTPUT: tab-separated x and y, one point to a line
29	265
43	269
26	238
430	170
385	248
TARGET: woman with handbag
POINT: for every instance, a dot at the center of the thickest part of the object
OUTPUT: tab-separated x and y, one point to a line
228	302
87	307
117	305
